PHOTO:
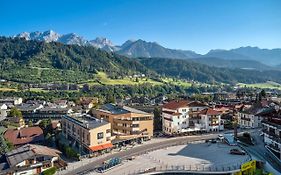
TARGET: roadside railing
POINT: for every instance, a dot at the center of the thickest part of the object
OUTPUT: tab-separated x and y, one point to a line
191	168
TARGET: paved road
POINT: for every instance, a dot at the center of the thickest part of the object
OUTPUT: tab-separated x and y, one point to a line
259	151
162	143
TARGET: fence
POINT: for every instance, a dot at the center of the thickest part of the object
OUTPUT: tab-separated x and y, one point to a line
191	168
162	167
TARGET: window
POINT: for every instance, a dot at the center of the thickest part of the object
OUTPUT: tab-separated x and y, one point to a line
183	110
100	135
135	125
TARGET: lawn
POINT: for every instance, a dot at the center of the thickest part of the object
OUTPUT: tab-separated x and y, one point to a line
104	79
266	85
179	82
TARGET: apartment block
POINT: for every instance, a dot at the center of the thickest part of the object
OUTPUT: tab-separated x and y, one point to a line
86	132
182	116
126	121
272	135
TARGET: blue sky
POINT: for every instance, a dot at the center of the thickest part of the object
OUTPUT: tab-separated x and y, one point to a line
198	25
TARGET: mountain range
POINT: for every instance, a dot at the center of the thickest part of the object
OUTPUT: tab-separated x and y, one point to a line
243	57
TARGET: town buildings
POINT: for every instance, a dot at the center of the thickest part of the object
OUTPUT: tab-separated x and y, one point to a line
248	119
87	133
3	111
11	100
272	135
181	116
30	159
251	116
126	121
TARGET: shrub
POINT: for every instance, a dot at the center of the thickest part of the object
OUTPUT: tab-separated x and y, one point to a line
50	171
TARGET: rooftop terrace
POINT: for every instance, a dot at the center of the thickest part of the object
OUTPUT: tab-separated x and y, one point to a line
85	120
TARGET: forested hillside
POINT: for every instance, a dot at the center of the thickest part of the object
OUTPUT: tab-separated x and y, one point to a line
29	61
40	62
194	71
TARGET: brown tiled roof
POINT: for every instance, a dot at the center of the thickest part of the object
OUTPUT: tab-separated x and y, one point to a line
175	104
24	135
210	111
196	103
222	109
172	113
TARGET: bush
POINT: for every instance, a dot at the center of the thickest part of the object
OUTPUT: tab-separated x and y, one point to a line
70	152
50	171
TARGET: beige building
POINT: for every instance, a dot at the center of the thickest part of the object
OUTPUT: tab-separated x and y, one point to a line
86	132
126	121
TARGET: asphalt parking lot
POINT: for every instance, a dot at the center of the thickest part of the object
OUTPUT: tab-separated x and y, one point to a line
194	156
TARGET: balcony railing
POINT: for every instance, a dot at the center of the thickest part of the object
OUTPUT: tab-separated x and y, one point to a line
272	136
273	147
272	124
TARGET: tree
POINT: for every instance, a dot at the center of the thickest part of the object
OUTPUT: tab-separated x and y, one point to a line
263	93
157	119
30	123
15	113
45	125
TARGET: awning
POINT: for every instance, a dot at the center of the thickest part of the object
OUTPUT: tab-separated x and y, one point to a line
107	145
101	147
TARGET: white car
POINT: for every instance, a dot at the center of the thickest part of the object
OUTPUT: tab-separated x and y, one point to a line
220	136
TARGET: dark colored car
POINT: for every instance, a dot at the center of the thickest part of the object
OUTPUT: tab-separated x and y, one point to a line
237	152
213	141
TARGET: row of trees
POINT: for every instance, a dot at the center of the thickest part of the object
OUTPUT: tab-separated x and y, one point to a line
111	93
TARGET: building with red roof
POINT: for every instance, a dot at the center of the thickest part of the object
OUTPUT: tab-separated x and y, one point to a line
179	116
22	136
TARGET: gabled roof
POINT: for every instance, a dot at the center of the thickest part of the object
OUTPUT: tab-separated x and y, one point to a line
29	151
197	104
209	111
172	113
175	104
24	135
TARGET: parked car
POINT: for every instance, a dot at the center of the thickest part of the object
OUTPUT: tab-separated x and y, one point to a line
213	141
220	136
237	152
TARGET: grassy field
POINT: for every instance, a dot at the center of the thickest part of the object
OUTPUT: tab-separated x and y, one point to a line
104	79
7	89
177	82
101	78
266	85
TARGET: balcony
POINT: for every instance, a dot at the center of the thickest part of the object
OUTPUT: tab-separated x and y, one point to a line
122	128
272	136
271	124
